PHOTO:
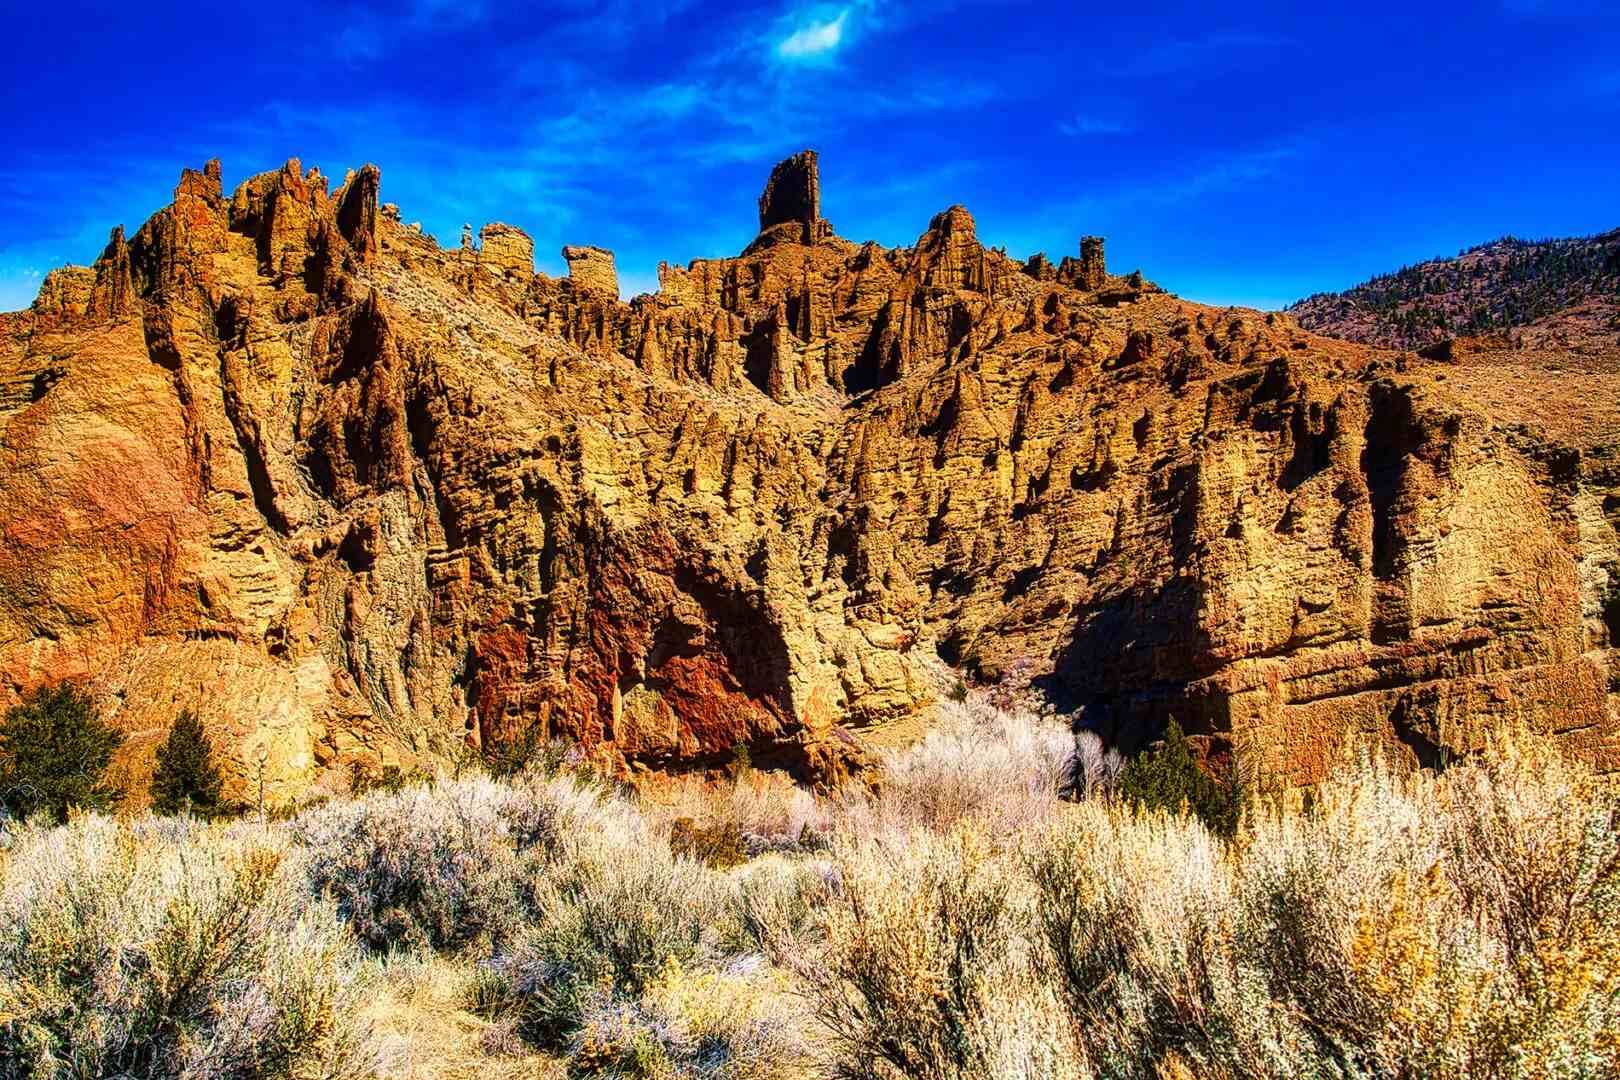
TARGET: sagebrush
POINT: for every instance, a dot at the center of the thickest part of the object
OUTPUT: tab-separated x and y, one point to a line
152	949
998	901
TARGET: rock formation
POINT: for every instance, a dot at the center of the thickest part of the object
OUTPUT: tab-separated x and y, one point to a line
1093	271
281	459
592	268
507	249
792	199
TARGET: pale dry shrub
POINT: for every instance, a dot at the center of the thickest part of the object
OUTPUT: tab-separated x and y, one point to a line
777	903
1096	766
592	822
742	1023
774	813
1532	845
1138	922
429	867
1004	768
1320	890
637	962
1455	925
1402	925
454	866
162	949
1530	861
1007	767
768	810
926	969
605	921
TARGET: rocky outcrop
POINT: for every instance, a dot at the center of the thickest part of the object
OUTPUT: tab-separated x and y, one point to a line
507	250
66	291
1093	271
356	209
790	205
352	497
591	269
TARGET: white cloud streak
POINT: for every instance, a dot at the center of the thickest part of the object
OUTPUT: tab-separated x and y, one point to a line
814	40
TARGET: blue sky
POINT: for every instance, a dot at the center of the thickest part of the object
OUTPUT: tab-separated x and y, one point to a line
1238	153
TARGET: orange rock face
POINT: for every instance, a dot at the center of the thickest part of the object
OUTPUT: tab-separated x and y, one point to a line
350	496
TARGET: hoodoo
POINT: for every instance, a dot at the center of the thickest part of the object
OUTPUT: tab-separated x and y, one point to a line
1093	272
592	268
792	197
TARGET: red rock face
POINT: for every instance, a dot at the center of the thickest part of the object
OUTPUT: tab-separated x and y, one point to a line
351	496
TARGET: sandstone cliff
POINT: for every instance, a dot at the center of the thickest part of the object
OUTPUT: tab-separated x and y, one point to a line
352	496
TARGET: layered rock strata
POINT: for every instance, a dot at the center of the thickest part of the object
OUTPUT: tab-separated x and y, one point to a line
507	250
592	268
353	497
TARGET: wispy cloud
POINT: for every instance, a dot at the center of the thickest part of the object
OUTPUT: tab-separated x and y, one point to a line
1223	173
815	39
814	35
461	10
1150	197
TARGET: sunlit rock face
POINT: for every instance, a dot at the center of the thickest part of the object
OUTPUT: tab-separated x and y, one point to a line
353	497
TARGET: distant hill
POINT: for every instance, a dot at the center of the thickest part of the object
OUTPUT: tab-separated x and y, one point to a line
1503	285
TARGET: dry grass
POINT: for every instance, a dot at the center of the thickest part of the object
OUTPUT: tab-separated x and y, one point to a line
767	810
419	1009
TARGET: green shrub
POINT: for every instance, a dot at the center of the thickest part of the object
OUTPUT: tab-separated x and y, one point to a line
391	780
54	752
1170	779
509	757
186	779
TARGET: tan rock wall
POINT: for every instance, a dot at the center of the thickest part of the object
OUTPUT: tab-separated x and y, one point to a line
507	249
592	268
353	497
